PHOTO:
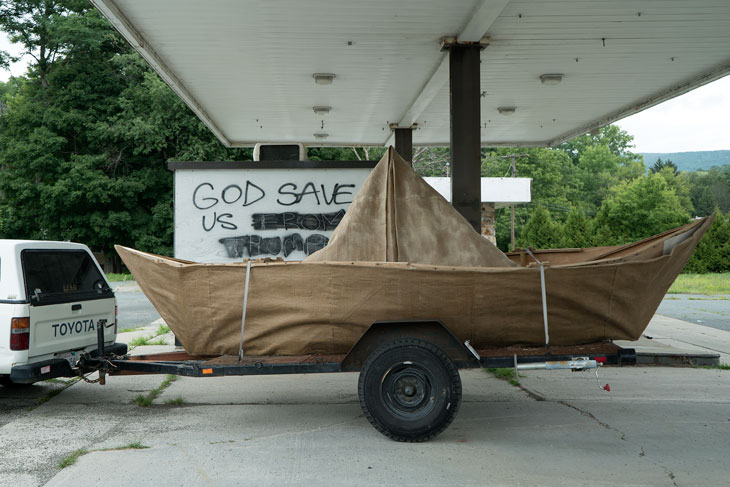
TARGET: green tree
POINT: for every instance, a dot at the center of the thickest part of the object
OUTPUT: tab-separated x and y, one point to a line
659	165
710	190
576	232
680	183
599	169
619	143
554	180
345	153
48	29
85	138
713	252
540	231
639	208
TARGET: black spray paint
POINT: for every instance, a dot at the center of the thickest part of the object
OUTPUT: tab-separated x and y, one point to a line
300	221
255	245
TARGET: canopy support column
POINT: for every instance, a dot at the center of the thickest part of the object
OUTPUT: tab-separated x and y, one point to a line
464	99
404	143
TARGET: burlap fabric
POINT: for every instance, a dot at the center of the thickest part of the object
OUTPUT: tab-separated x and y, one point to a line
321	306
398	217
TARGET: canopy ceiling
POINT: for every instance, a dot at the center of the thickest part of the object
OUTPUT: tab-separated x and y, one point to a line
245	66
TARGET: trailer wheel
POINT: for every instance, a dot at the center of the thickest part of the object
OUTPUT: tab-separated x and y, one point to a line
409	390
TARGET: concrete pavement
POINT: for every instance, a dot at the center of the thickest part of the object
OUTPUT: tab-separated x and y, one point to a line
669	341
657	426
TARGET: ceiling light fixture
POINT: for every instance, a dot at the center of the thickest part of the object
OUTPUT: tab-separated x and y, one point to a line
321	110
551	79
323	78
321	135
507	110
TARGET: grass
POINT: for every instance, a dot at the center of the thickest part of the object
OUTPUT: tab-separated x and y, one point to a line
718	367
135	445
125	330
145	400
150	340
178	401
505	374
70	459
142	341
701	284
119	277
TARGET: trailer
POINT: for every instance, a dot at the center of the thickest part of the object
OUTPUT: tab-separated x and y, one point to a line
409	385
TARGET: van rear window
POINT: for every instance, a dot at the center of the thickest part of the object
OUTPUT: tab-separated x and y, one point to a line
62	276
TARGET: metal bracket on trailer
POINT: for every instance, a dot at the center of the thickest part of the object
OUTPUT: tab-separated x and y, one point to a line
622	356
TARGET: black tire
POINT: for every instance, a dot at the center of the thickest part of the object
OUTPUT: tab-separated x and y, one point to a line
409	390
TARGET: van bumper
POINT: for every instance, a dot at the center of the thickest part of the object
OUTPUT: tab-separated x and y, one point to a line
57	367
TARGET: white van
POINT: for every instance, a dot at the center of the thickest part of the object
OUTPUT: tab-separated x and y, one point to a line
53	297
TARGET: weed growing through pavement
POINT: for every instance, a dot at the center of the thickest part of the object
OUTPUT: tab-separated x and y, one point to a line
505	374
145	400
144	341
718	367
150	339
70	459
127	330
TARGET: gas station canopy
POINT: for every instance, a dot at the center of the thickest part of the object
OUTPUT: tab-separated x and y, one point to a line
246	67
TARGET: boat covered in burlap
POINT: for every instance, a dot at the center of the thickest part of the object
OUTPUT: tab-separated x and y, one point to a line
402	252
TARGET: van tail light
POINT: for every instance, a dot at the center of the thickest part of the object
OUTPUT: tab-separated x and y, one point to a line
116	318
19	333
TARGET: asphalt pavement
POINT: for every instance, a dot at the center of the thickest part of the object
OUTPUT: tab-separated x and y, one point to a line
135	309
712	310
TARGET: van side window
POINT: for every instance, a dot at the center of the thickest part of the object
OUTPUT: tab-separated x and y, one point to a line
62	276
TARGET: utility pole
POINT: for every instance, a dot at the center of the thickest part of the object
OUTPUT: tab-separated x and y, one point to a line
513	157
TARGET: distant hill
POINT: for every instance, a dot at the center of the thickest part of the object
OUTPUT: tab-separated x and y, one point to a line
690	161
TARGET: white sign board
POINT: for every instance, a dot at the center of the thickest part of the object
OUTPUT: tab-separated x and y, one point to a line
227	214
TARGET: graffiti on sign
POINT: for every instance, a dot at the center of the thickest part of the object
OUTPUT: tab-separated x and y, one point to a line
289	220
230	214
255	245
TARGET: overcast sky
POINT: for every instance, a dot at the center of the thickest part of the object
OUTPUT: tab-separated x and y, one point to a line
699	120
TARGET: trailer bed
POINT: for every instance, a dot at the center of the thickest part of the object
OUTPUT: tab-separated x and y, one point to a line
181	363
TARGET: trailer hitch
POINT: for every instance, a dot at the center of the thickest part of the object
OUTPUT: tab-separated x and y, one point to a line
576	364
101	363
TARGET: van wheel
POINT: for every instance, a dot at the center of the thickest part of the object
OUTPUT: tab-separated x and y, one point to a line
409	390
6	382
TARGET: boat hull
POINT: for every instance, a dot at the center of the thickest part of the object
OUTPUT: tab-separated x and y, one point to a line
299	308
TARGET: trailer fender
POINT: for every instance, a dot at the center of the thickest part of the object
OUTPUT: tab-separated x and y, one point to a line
433	331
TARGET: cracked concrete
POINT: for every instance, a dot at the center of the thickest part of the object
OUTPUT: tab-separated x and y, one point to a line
657	427
677	420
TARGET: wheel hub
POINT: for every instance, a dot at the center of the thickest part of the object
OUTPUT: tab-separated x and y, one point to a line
407	389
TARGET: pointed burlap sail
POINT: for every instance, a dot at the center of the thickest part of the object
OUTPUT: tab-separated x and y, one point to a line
398	217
